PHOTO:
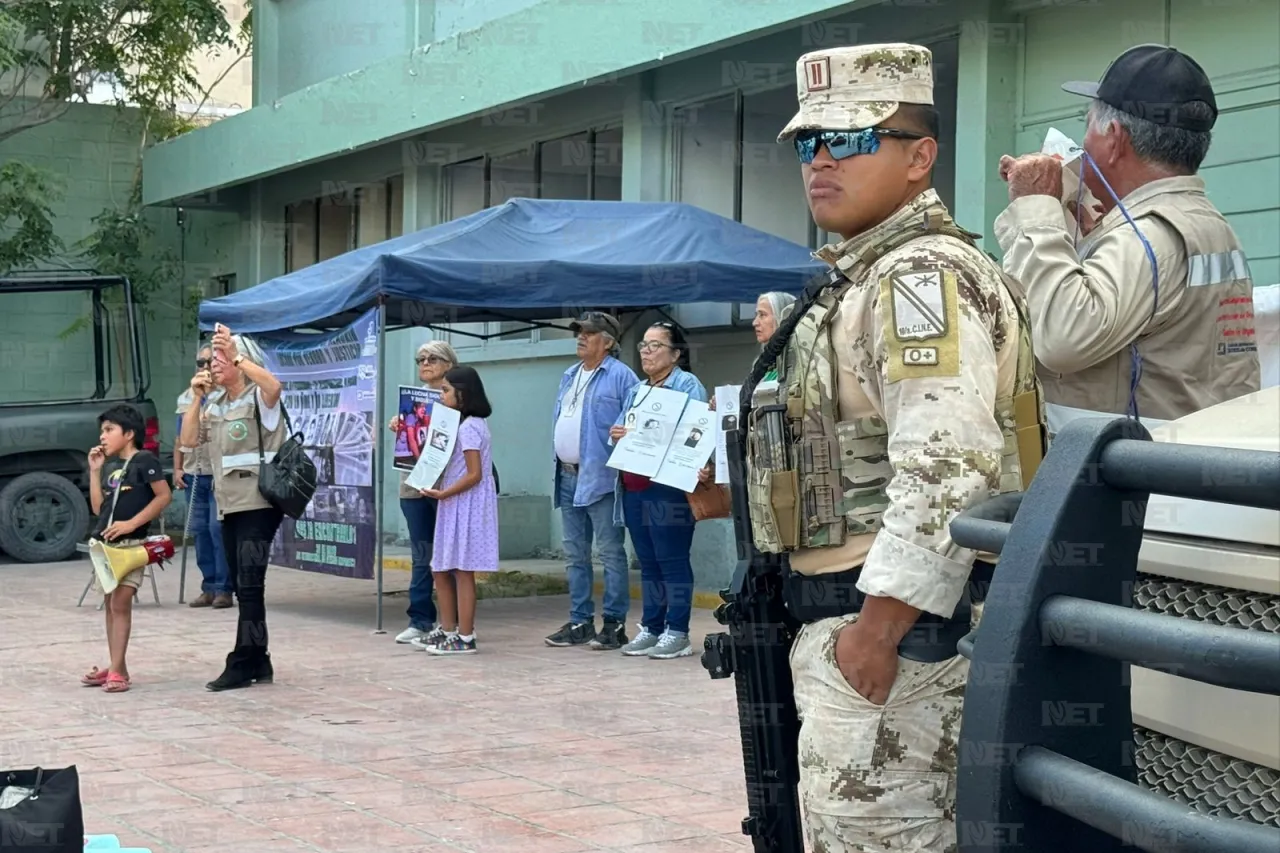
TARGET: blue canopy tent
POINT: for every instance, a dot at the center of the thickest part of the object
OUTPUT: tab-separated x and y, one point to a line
528	260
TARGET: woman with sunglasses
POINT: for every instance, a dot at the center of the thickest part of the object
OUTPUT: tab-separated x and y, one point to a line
246	422
434	359
196	476
659	517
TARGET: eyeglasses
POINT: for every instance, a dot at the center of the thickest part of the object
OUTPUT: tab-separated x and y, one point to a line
203	363
846	143
430	359
650	346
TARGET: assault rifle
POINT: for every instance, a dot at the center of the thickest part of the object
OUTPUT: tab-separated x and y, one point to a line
755	652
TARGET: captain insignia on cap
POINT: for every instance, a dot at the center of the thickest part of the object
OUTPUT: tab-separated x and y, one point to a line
851	88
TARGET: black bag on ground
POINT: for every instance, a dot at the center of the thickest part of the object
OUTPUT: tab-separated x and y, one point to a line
288	481
40	811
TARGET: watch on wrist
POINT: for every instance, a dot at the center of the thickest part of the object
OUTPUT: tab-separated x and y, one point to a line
238	359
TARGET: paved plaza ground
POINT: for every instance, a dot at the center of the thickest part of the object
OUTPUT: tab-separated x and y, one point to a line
362	745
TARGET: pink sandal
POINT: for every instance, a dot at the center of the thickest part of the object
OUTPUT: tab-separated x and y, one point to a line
116	683
94	677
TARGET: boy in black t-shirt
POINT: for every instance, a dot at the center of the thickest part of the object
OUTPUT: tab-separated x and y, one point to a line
126	498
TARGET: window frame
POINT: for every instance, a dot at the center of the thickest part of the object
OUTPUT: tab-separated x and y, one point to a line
493	328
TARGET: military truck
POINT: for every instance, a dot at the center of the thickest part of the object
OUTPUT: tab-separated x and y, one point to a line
72	344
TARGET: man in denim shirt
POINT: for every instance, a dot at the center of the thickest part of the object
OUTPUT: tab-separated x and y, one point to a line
587	405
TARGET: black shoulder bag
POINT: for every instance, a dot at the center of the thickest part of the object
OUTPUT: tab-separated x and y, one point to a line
288	481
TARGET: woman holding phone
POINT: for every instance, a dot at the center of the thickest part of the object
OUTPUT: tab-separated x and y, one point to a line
244	422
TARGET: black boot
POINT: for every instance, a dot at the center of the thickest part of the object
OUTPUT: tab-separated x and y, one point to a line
611	636
265	673
235	674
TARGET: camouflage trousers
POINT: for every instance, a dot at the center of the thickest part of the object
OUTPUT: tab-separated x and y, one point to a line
876	778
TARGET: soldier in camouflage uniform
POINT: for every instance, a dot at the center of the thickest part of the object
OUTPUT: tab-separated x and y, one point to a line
906	394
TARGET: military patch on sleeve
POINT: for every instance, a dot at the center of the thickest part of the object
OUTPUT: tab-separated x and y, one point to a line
921	324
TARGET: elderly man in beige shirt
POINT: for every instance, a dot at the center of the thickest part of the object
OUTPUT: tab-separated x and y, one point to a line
1151	313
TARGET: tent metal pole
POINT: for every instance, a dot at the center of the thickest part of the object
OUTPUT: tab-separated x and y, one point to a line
186	528
380	450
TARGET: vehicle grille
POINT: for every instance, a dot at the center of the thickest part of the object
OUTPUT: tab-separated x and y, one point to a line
1207	781
1220	605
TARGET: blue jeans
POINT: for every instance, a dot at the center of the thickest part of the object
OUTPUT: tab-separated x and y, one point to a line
580	523
420	515
661	524
207	530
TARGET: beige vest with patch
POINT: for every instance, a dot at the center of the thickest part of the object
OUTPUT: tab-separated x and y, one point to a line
1200	348
233	450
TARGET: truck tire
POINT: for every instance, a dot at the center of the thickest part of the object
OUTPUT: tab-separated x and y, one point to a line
42	517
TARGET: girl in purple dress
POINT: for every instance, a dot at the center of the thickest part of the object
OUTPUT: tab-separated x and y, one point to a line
466	539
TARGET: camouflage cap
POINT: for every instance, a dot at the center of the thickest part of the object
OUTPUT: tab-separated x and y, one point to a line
851	88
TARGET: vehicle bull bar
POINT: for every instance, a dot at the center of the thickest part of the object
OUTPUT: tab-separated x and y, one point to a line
1046	755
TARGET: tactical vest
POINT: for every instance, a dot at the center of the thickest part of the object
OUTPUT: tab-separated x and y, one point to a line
233	450
814	479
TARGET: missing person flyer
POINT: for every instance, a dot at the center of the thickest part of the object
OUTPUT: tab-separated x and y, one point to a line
415	425
437	450
691	446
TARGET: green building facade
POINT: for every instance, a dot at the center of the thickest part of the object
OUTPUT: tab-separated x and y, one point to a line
373	121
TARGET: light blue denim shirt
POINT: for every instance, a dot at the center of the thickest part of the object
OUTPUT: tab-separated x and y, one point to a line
603	406
677	380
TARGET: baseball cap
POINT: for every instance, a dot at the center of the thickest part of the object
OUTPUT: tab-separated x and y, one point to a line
853	88
597	321
1153	82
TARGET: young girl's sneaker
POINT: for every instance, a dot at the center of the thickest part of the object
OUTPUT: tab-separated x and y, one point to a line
454	645
429	641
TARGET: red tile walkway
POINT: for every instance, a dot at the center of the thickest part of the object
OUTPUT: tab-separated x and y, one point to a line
362	745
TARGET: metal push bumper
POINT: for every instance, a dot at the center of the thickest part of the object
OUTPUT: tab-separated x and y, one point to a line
1046	758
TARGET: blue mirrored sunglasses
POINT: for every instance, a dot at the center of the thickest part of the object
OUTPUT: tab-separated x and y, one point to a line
845	143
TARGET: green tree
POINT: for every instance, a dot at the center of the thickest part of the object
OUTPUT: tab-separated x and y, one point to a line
53	52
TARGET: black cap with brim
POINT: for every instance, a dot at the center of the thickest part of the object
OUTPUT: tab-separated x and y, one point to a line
596	322
1156	83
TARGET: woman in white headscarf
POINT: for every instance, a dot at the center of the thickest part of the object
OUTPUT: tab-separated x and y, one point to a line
771	309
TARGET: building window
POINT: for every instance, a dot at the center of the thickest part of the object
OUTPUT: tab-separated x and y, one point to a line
706	168
463	188
728	161
300	248
771	188
395	188
514	175
351	217
584	166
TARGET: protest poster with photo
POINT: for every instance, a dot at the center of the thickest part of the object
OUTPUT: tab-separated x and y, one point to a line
415	425
727	410
651	423
437	450
331	393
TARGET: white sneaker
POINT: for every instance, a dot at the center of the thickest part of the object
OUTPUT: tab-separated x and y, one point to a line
408	635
